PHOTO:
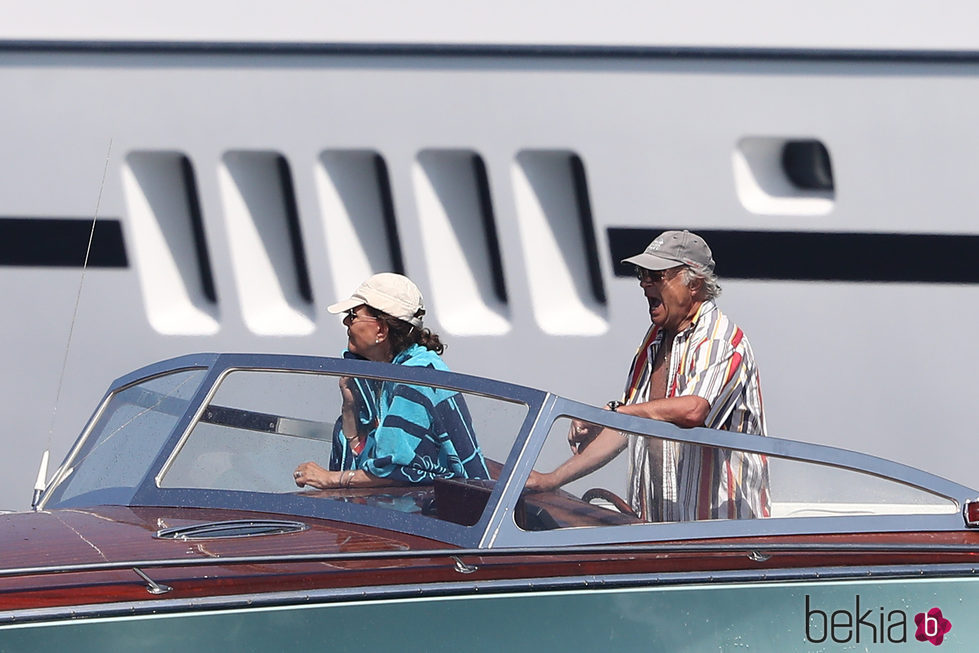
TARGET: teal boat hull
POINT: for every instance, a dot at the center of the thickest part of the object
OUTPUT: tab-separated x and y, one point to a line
758	617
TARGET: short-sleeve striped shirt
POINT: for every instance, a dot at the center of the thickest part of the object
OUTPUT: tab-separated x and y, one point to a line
710	359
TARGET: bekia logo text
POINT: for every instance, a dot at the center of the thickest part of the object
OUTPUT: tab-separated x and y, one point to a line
873	625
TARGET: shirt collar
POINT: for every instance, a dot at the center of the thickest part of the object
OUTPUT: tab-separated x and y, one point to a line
706	308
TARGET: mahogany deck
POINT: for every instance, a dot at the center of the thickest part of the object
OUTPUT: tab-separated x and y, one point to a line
118	534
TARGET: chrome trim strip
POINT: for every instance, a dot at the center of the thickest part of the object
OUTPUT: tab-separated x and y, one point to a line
217	530
608	550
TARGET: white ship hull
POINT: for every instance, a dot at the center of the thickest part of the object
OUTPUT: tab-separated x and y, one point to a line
284	208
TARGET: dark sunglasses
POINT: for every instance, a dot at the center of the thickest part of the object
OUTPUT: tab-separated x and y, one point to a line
652	276
353	317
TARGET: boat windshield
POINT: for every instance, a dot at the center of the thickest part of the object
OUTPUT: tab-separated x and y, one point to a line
660	480
259	426
437	453
113	457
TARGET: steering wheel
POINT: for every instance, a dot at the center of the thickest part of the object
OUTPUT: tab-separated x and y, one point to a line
611	497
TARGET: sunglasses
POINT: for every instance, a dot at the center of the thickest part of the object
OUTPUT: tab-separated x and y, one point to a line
353	316
654	276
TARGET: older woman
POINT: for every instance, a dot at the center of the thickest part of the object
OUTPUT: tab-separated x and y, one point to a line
392	433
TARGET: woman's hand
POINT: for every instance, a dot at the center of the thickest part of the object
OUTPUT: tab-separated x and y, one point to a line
313	475
347	392
348	413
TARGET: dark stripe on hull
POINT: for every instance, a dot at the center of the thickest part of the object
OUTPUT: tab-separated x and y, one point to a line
532	51
822	256
61	242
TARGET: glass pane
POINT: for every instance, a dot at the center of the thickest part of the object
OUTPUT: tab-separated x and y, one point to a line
127	437
808	490
415	448
255	429
648	479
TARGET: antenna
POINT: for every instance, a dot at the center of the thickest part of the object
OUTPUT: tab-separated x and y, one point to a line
40	485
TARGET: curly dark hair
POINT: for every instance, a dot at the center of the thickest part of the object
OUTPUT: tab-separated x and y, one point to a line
403	335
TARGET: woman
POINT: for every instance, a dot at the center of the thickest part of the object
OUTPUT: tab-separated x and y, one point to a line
393	433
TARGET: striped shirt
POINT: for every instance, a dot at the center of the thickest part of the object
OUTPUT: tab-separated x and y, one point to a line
415	433
713	360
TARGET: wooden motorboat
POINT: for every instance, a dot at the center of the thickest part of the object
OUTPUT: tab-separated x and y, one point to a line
174	524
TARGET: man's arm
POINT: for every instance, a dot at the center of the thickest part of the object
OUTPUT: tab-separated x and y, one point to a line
606	446
687	411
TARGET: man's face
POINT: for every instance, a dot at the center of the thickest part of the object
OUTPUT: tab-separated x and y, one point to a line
671	301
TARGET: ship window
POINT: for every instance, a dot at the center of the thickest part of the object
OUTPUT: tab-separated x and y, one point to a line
169	242
806	164
587	225
559	246
266	243
358	217
790	176
461	242
295	232
489	228
197	224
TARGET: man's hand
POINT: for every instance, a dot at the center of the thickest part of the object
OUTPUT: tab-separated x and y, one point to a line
602	446
540	482
581	434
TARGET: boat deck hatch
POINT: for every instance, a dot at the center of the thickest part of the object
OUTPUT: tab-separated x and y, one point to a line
231	528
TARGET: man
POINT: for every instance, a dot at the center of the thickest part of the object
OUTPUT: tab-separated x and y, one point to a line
694	368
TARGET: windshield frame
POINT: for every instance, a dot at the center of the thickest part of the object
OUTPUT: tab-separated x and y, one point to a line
504	532
496	527
166	368
149	493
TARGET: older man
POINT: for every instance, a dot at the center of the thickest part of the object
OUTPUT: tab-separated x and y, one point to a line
694	368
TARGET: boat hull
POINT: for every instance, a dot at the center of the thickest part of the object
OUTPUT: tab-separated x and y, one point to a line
877	614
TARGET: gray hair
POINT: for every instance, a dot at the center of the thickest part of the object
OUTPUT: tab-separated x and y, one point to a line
711	286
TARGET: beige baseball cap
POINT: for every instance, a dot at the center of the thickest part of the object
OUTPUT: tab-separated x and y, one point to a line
394	294
673	248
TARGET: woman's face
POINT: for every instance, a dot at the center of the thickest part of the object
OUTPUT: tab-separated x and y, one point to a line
364	333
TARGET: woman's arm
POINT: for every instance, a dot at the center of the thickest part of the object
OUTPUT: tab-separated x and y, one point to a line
348	413
311	474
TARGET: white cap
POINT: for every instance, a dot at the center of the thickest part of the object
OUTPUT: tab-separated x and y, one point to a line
391	293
